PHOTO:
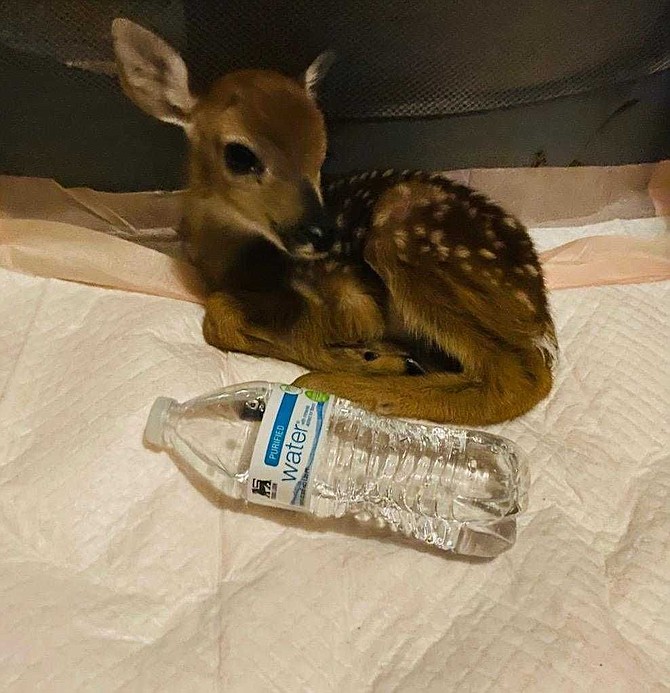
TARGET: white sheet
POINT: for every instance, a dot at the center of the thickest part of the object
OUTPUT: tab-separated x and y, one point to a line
119	573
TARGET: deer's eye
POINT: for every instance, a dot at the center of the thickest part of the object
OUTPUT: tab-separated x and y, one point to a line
241	161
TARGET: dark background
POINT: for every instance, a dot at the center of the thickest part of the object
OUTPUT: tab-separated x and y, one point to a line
435	84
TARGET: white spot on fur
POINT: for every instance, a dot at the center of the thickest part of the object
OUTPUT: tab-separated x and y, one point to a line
340	221
522	296
485	253
436	237
420	231
381	216
461	251
531	270
442	252
400	239
387	173
466	266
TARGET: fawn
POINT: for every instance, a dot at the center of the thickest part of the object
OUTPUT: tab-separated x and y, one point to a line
404	292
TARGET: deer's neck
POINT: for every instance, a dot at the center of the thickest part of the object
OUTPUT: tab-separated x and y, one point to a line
230	257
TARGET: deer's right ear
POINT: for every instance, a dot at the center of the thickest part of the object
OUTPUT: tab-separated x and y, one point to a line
317	71
152	73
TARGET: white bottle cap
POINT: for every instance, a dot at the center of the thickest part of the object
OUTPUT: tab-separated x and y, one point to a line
153	432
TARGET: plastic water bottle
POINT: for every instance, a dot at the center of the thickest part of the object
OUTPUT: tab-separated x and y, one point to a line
456	489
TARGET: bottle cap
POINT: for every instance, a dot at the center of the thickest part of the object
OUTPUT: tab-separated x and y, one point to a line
153	432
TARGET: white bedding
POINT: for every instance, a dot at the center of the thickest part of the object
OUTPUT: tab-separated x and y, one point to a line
119	573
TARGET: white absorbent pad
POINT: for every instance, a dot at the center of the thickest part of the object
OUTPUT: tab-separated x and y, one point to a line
119	572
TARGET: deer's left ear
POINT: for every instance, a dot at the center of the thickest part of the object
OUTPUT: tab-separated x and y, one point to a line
152	73
317	71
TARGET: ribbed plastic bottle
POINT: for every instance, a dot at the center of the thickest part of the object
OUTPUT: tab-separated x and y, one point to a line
455	489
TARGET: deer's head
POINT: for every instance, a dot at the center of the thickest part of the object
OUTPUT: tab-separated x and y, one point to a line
257	143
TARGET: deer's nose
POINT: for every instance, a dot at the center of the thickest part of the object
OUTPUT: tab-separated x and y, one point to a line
315	224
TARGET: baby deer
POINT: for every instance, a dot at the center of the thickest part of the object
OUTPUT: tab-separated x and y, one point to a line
351	281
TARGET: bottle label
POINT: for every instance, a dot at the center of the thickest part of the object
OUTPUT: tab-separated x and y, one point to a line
289	444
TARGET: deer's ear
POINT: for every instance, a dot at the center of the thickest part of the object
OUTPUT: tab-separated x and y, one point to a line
152	73
317	71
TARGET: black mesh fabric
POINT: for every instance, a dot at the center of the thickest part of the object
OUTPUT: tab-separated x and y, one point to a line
397	59
429	84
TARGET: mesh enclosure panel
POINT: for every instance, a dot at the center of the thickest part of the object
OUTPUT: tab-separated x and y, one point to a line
397	59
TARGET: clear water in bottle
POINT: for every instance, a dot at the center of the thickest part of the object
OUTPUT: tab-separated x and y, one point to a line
456	489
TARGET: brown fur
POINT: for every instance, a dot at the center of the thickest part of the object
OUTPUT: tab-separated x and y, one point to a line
263	108
422	266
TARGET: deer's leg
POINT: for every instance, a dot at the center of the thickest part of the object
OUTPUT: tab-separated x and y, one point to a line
443	397
230	325
465	296
227	326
